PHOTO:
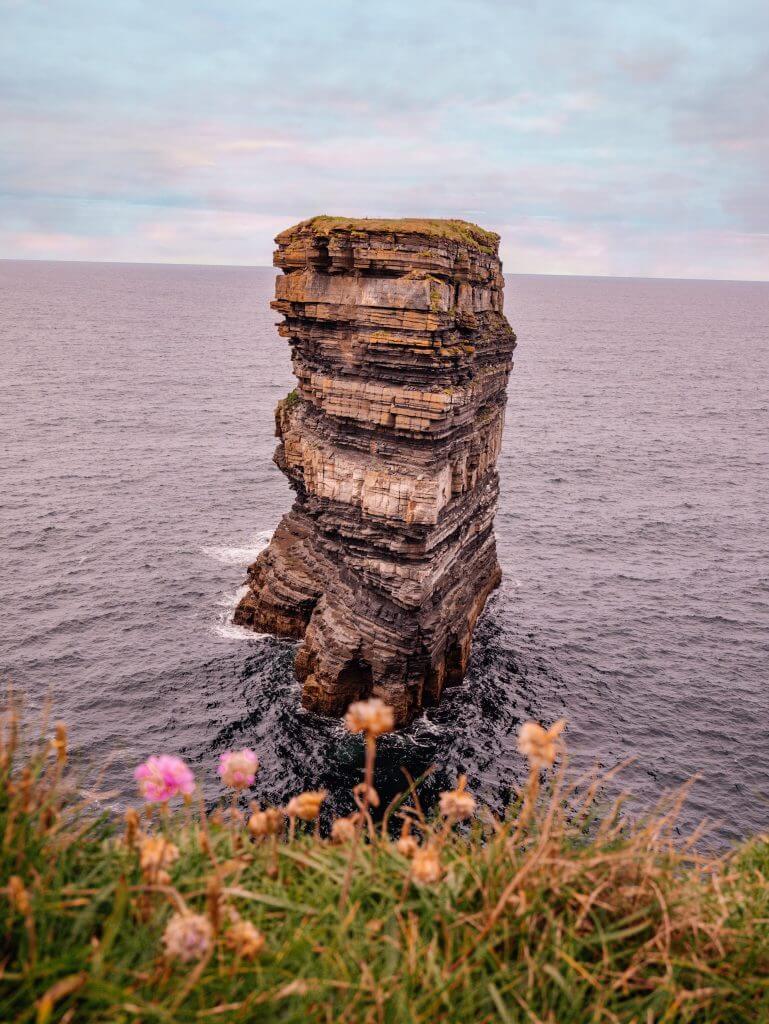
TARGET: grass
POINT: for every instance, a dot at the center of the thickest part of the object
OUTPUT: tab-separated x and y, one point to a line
291	398
454	230
555	914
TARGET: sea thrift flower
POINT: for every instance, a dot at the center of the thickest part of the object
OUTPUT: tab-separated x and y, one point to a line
457	804
188	937
238	768
343	830
307	805
244	939
163	777
538	744
266	823
426	866
155	853
371	716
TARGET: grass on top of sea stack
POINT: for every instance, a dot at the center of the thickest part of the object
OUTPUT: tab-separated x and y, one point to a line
454	230
555	914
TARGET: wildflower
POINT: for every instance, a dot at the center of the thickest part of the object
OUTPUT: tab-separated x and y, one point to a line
188	937
343	830
156	853
457	804
307	805
538	744
371	716
163	777
266	823
244	939
426	865
238	768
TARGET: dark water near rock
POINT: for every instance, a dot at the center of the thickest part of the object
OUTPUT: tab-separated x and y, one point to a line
136	406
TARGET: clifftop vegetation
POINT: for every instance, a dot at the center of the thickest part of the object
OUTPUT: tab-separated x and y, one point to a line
556	913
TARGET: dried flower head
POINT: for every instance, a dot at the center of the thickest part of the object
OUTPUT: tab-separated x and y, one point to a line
371	716
163	777
343	830
238	768
156	852
188	937
59	742
407	846
132	830
268	822
365	795
244	939
426	868
457	804
18	895
307	805
538	744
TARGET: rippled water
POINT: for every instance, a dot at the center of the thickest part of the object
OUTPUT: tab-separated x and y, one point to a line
137	484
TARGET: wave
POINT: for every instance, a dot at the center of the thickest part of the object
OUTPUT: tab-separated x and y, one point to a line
240	555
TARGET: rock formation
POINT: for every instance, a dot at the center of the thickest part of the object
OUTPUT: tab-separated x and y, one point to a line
390	441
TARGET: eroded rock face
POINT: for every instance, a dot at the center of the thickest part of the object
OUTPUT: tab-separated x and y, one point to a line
390	441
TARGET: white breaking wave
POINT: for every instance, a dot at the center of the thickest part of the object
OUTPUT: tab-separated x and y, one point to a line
242	556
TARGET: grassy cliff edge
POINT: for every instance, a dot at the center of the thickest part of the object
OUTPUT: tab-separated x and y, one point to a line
554	914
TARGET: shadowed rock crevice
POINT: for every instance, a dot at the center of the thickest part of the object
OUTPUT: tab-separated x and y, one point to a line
390	441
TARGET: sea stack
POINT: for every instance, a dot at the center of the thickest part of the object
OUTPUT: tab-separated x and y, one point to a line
390	441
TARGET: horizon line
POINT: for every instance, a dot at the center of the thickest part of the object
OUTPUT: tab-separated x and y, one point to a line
265	266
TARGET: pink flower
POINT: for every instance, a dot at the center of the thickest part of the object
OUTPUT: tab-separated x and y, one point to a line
163	777
238	768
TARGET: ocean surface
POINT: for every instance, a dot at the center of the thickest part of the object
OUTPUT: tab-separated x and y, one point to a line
136	484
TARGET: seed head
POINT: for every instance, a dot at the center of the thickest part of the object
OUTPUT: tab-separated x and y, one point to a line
156	853
371	716
457	804
266	823
18	895
244	939
426	866
188	937
60	742
538	744
131	828
307	805
365	795
407	846
343	830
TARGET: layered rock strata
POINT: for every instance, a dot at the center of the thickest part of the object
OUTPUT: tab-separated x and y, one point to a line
390	441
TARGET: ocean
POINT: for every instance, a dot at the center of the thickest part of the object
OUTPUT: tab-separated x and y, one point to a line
136	484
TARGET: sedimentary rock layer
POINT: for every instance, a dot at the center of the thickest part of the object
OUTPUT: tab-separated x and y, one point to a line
402	355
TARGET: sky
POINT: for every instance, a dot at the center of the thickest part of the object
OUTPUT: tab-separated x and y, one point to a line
597	137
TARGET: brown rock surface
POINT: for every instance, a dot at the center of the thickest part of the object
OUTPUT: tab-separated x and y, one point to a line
390	441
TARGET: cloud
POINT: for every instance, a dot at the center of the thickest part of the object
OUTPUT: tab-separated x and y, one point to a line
596	137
